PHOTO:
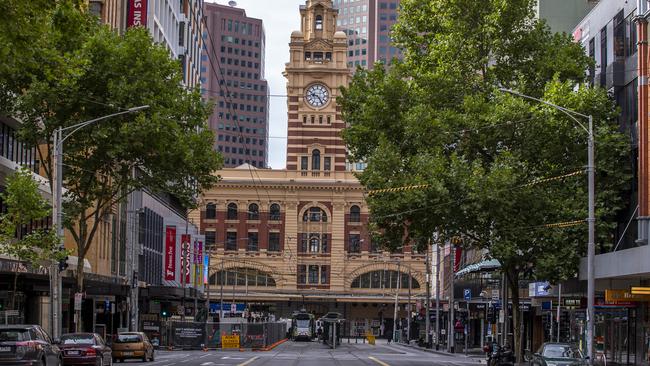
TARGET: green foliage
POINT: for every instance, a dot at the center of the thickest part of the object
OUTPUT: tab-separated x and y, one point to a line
87	71
438	119
26	206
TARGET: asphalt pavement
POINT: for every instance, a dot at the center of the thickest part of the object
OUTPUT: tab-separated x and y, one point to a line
310	354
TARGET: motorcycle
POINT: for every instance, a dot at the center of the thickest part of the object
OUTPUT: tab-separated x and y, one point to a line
499	356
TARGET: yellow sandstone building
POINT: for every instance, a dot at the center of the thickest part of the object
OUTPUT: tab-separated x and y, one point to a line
285	239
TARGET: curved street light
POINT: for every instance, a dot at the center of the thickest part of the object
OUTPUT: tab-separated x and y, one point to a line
591	219
57	215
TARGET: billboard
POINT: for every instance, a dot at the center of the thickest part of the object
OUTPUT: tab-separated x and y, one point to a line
170	253
137	13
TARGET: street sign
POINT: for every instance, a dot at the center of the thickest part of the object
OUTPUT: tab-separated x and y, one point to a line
467	294
495	294
230	341
78	297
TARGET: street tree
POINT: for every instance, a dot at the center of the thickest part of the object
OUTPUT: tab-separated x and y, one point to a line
165	148
438	119
24	234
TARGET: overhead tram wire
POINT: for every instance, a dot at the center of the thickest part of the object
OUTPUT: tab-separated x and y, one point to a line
229	98
534	182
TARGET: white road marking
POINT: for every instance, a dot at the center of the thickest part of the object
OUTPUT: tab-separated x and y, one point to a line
378	361
249	361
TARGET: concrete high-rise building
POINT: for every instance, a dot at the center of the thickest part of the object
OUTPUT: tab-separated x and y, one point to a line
367	24
233	77
174	23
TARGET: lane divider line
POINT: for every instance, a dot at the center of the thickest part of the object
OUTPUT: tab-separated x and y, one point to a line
382	363
248	362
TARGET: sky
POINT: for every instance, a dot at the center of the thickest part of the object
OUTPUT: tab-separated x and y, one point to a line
280	17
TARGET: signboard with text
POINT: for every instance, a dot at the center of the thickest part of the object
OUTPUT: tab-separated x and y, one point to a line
185	261
230	341
170	253
137	13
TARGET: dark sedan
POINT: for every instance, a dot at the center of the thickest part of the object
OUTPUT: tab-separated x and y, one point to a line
557	354
27	345
85	349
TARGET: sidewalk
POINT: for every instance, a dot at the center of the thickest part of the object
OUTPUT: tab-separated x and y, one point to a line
473	353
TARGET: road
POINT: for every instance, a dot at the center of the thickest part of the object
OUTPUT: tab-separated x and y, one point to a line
311	354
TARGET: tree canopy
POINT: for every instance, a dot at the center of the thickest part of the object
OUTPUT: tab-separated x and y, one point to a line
86	71
439	119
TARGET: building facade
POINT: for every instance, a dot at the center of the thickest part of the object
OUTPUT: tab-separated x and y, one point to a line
367	24
614	34
232	70
285	239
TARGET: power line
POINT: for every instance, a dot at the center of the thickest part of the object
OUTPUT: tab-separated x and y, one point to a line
538	181
227	95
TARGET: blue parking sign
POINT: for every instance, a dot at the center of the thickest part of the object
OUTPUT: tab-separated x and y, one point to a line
467	294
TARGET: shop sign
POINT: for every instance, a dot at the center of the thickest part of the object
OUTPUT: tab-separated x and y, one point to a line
572	302
538	289
617	296
230	341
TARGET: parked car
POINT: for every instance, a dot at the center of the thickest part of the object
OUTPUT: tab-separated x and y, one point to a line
27	345
132	345
84	349
557	354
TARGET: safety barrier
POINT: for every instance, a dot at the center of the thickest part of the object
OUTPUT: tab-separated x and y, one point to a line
199	335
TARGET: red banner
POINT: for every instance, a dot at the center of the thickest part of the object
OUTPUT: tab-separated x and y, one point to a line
170	253
186	240
137	13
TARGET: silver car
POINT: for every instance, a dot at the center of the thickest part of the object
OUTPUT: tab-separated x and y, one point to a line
557	354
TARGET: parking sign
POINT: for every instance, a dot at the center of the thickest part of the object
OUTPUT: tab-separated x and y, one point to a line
467	294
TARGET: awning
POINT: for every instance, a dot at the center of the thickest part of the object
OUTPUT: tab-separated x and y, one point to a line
486	265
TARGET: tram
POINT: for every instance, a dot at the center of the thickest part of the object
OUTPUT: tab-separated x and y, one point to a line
303	326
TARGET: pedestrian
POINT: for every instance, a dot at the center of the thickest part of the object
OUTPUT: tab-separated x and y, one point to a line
319	332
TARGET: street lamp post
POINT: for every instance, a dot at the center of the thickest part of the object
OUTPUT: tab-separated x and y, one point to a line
57	212
591	219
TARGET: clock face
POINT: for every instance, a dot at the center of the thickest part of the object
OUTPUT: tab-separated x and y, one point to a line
317	95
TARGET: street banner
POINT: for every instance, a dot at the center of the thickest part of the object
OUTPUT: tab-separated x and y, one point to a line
170	253
186	241
137	13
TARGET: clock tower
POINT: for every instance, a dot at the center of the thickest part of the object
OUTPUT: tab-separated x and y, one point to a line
316	70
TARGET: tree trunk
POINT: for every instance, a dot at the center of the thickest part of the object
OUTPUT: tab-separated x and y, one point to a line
82	246
513	283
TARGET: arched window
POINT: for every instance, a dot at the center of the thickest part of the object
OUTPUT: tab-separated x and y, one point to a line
274	212
232	211
315	159
355	214
253	211
319	22
211	211
385	279
314	214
